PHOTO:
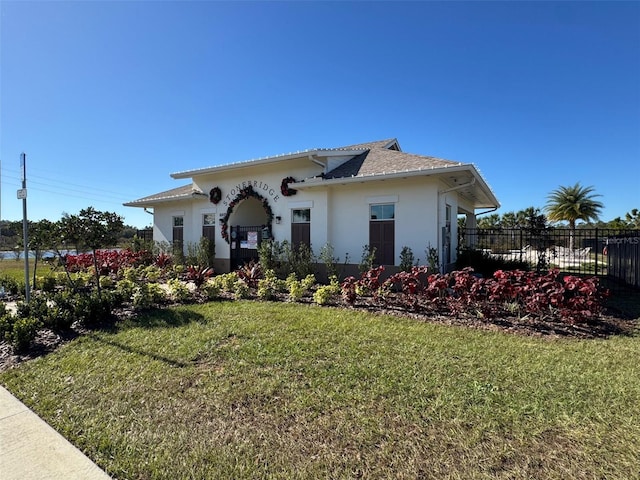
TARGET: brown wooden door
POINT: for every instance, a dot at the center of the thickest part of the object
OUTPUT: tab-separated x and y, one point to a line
300	234
381	236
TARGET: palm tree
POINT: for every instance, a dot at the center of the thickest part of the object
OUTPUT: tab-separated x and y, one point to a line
571	204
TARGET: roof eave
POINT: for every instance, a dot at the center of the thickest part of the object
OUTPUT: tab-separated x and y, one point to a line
266	161
318	182
156	201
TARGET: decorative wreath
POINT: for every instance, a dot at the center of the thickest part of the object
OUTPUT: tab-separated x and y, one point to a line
284	187
245	193
215	195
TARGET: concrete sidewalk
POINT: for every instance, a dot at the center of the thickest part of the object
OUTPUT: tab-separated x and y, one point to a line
30	449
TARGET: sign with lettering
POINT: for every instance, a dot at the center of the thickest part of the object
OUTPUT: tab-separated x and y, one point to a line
263	188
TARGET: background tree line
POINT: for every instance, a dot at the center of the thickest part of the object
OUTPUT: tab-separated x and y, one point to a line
79	232
565	204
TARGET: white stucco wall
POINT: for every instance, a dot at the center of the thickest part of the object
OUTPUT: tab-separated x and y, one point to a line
415	215
339	213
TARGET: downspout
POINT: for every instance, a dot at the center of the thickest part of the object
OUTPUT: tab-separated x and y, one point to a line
147	211
457	187
488	211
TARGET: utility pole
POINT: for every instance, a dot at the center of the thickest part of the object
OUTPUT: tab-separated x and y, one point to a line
22	194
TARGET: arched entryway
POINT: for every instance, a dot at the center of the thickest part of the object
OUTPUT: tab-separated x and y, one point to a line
248	223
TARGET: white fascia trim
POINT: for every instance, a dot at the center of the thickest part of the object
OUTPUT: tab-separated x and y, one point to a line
265	161
157	201
300	204
383	176
383	199
403	174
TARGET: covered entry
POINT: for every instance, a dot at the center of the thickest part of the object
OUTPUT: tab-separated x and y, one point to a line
249	224
245	241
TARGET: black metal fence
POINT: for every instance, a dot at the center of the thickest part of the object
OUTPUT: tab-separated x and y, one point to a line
145	235
610	253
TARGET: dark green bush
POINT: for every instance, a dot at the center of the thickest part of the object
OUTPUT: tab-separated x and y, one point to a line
48	283
92	309
6	326
10	284
36	308
406	259
24	332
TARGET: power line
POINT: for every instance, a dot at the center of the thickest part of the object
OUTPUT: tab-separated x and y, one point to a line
116	197
31	175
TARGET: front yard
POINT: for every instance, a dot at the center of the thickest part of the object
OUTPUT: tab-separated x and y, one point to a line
250	389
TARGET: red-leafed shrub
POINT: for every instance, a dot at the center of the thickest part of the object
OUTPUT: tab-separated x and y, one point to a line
108	261
348	289
163	260
198	275
570	299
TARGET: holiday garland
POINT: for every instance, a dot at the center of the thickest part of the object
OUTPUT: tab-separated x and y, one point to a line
245	193
284	187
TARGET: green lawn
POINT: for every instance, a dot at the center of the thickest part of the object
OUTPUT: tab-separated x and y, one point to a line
271	390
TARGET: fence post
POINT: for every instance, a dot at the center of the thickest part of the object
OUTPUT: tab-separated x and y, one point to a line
521	246
597	248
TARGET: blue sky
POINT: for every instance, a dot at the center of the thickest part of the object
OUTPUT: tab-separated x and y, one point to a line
108	98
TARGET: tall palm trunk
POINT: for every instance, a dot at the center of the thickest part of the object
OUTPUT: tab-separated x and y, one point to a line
572	234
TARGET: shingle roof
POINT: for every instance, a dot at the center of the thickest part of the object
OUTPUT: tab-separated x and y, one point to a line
186	191
367	146
379	160
371	160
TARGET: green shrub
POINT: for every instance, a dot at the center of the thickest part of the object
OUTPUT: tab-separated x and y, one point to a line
433	260
148	295
368	258
302	260
37	308
284	258
179	290
297	288
24	332
106	281
227	282
152	273
82	279
241	290
9	284
406	259
267	254
92	309
124	290
268	286
130	273
6	326
202	253
61	312
48	283
330	262
211	289
325	293
61	279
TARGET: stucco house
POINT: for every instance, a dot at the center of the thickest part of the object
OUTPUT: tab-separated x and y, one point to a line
365	194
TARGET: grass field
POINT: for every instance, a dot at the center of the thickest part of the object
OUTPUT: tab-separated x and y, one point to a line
232	390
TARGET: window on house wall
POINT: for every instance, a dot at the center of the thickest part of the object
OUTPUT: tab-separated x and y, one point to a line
208	226
301	227
382	232
178	234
